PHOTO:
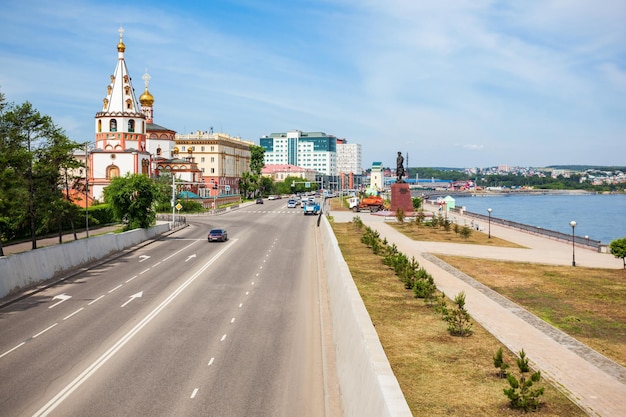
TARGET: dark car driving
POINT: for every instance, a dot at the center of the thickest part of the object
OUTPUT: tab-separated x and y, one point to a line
217	235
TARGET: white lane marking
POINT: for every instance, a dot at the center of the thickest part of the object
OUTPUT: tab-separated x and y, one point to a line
144	271
247	292
90	303
118	287
193	394
132	297
232	320
177	252
45	330
252	283
91	369
11	350
61	297
240	305
144	257
156	264
223	338
190	257
211	362
76	312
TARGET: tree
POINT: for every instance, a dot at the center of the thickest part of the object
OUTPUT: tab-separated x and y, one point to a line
132	198
257	161
618	249
32	148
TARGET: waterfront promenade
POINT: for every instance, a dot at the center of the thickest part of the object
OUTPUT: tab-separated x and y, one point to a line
594	382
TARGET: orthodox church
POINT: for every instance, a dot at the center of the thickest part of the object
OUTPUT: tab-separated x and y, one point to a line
127	141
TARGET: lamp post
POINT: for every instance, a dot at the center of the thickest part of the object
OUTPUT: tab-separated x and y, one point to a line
573	224
489	234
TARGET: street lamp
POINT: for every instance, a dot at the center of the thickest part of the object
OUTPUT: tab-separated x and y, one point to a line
573	224
489	211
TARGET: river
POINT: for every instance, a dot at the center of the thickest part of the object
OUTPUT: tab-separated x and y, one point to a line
600	216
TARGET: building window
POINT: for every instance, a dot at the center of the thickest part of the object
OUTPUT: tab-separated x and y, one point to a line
99	126
113	125
159	151
202	159
131	125
212	170
212	159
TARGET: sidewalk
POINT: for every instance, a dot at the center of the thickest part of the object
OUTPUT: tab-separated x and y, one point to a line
594	382
48	241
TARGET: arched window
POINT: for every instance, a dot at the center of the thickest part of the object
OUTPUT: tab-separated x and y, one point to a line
99	126
129	104
159	151
131	125
145	165
113	125
112	172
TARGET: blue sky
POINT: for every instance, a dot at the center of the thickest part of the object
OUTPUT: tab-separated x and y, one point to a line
456	83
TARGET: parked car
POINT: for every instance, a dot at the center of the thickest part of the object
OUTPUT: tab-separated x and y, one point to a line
217	235
259	201
272	197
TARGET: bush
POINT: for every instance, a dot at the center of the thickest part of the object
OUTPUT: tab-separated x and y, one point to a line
500	364
465	232
400	215
458	319
520	393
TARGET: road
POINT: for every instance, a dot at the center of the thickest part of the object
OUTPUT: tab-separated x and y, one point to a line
180	327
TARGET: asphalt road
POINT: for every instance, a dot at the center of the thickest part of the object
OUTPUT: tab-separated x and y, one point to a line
180	327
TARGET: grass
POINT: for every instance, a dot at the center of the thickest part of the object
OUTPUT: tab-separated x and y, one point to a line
433	234
440	375
586	303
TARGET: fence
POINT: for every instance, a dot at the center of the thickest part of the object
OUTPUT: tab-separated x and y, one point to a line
578	240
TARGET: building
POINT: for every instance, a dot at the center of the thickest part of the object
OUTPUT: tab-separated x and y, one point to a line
120	145
377	177
312	150
279	172
127	141
222	159
349	158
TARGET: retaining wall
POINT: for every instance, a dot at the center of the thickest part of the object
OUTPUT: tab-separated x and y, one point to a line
22	270
368	385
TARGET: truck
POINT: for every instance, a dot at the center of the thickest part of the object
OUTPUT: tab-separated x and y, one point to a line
311	207
372	203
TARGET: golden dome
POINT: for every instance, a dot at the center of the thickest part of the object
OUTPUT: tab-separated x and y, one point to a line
121	47
146	99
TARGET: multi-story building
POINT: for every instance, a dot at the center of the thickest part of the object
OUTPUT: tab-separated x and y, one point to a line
349	158
222	159
279	172
311	150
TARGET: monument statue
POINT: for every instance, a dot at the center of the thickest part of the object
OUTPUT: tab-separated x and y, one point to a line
399	168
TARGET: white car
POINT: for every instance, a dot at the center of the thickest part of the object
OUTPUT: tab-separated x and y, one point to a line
292	204
272	197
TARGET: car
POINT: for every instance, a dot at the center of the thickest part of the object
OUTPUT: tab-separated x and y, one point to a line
272	197
292	204
259	201
217	235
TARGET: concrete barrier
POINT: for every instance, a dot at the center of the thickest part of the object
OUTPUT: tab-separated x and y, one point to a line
23	270
368	385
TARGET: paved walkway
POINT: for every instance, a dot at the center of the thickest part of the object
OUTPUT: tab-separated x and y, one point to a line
591	380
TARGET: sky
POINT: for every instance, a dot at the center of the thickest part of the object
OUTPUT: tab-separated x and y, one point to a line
449	83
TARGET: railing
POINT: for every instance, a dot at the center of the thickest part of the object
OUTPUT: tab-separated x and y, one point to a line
579	240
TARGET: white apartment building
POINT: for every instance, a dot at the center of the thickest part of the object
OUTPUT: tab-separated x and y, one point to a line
349	158
316	151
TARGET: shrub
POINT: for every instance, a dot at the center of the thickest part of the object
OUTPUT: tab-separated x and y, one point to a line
465	232
520	393
458	319
400	215
500	364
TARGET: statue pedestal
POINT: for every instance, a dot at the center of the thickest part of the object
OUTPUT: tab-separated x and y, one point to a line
401	198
